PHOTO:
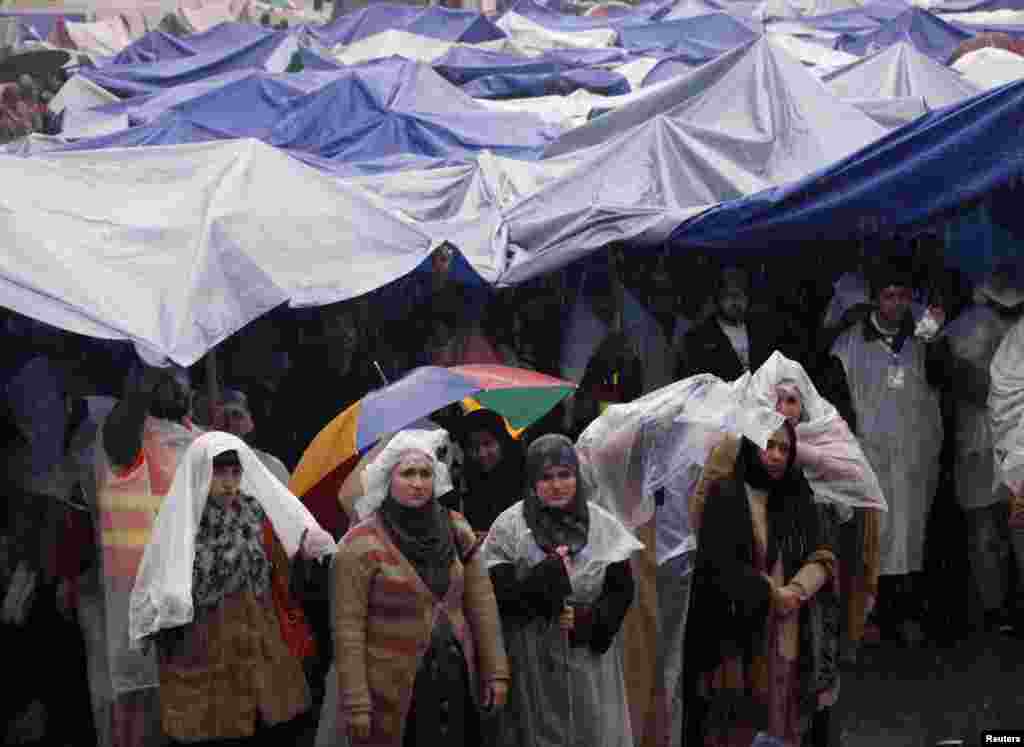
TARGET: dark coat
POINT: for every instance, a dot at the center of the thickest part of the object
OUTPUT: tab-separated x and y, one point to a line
706	349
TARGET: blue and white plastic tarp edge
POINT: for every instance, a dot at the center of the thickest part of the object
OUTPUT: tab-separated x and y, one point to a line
945	159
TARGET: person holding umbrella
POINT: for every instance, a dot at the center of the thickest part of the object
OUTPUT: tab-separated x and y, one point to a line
416	628
561	573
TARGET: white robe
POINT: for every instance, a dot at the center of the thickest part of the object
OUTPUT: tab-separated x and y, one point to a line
900	429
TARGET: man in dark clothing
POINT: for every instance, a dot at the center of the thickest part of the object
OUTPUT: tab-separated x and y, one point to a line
732	341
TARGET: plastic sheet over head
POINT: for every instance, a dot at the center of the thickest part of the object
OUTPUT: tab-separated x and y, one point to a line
162	596
830	455
1006	408
377	475
661	441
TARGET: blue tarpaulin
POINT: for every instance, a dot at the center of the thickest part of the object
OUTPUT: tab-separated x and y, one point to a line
525	85
155	46
270	52
693	40
310	60
362	113
438	23
937	163
970	6
460	65
866	18
925	31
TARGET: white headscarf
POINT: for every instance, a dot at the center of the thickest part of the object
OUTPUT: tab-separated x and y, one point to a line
832	459
162	596
377	476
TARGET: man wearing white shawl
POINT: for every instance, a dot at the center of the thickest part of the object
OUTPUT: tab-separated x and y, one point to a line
204	592
1006	409
974	337
890	371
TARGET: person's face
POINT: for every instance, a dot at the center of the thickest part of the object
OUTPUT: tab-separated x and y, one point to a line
789	406
226	483
485	449
556	486
894	304
412	480
733	304
775	458
238	422
172	399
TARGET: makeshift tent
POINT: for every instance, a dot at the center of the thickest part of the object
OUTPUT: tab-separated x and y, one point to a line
752	118
892	185
377	110
397	43
775	9
523	86
926	32
272	53
963	6
990	68
445	24
694	40
901	71
157	46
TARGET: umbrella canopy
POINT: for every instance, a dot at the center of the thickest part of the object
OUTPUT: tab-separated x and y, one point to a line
521	396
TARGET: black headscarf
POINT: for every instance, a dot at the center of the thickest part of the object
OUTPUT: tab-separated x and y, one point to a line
424	536
490	493
792	517
555	527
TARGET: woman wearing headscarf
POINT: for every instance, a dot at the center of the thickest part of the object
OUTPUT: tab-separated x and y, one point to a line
838	471
560	567
418	643
762	636
208	593
493	468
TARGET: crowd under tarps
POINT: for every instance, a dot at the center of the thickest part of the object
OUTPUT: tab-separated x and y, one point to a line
523	186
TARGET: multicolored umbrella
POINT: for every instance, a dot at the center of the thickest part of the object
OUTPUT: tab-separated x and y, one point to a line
521	396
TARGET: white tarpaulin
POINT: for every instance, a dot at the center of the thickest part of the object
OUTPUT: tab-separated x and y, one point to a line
397	43
990	67
176	248
891	113
533	39
822	59
102	38
900	71
799	8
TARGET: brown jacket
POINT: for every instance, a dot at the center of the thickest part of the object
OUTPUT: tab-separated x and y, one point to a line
230	667
384	615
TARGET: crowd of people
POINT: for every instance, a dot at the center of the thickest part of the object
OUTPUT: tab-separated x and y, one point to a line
742	492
